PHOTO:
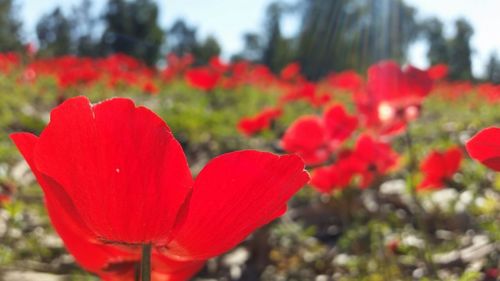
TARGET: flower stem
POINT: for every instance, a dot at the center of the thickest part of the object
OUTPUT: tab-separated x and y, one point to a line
146	263
420	212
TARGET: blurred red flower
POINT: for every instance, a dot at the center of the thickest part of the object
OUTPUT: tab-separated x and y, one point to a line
336	176
258	122
290	72
485	147
300	91
9	61
347	80
368	159
392	97
438	71
203	78
113	174
438	167
218	65
176	66
314	138
150	88
371	158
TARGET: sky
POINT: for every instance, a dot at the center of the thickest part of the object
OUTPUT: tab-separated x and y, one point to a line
227	20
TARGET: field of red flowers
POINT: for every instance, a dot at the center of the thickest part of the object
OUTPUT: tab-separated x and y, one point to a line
398	186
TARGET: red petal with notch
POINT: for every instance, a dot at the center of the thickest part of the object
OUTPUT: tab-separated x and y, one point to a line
485	147
338	123
437	167
79	240
307	137
120	166
233	195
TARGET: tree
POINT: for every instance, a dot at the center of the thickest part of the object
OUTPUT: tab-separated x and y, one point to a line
10	27
59	34
460	51
181	38
276	52
320	37
252	50
84	23
132	28
438	46
203	52
341	34
54	34
493	69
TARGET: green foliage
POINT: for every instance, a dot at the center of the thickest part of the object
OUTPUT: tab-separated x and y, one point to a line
206	50
181	38
62	34
493	69
277	52
252	50
85	22
338	35
461	52
132	28
438	46
54	34
10	27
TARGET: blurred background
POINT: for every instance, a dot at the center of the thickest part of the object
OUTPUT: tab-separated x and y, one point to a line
239	74
322	35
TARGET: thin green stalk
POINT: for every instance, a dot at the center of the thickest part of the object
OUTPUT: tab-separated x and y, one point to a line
412	167
146	263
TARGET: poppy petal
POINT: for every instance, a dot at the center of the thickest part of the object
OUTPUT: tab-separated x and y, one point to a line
232	196
80	242
174	270
306	136
485	147
115	161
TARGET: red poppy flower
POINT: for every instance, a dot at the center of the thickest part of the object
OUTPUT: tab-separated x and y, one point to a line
218	65
306	91
150	88
372	158
306	137
176	65
290	71
300	91
392	97
259	122
314	138
347	80
203	78
9	61
438	167
485	147
490	91
336	176
339	125
438	71
76	71
117	170
109	261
